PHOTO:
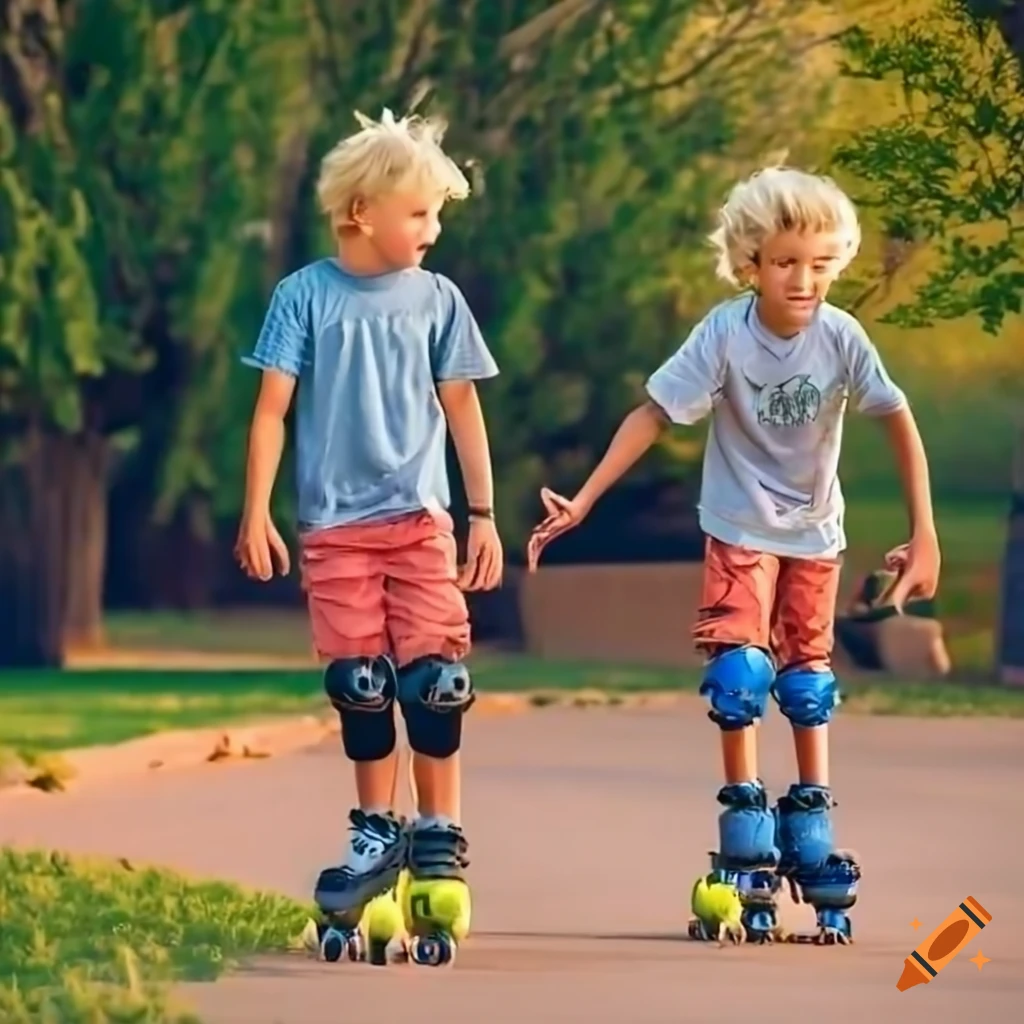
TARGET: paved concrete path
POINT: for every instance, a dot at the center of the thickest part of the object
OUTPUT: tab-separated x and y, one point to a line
587	828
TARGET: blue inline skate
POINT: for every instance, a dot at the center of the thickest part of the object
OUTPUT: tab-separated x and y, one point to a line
817	873
748	859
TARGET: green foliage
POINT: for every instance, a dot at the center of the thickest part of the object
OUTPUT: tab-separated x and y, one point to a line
129	161
948	171
94	941
49	320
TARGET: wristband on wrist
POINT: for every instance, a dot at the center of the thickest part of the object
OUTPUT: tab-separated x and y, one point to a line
480	512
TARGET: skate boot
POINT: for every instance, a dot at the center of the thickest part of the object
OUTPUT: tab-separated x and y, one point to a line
376	853
747	860
378	937
436	901
817	873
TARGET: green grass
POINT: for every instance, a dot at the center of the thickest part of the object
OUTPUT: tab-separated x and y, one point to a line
972	532
79	936
973	538
256	631
58	710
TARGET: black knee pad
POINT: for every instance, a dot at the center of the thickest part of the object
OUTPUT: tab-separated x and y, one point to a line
362	691
434	694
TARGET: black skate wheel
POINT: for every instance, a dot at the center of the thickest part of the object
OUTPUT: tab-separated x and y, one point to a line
332	946
432	951
377	953
354	948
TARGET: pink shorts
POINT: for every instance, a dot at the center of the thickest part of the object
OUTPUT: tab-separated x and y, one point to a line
386	587
785	605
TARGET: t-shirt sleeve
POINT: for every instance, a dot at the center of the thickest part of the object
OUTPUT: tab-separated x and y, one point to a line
459	351
687	385
285	340
872	389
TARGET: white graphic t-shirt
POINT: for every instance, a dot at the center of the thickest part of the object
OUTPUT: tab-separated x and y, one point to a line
770	479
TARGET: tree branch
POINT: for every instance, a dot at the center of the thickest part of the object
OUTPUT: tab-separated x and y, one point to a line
529	34
1008	17
724	44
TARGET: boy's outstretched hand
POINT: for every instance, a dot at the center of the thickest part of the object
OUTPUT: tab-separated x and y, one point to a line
260	547
917	564
562	515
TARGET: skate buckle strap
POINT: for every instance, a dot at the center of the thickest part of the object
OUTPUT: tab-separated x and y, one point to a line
438	852
807	797
375	826
744	795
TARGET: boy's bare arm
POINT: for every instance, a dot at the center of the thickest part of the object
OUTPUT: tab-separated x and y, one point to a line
912	463
919	561
638	431
266	441
461	405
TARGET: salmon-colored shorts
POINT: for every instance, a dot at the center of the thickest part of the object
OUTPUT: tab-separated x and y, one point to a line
784	605
386	587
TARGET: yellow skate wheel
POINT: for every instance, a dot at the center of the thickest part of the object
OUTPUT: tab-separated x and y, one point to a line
383	929
382	919
437	905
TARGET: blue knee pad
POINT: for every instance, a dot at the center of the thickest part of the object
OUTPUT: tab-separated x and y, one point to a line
362	691
746	828
434	694
736	684
827	877
805	697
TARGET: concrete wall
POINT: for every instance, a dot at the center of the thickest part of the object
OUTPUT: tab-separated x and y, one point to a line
636	614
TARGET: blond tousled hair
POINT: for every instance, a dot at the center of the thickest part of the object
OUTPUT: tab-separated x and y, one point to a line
387	156
774	200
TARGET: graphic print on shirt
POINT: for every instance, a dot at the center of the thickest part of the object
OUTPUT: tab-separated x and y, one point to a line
795	402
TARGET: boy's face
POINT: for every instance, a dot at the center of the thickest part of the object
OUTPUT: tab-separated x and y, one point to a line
793	275
403	226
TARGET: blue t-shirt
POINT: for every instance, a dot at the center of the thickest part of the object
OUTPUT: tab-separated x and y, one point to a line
367	351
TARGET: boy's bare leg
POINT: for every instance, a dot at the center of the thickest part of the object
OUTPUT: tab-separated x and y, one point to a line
375	783
739	754
439	786
811	744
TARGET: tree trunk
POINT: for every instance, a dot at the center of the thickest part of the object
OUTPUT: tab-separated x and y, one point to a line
1009	17
84	489
53	515
25	637
1010	647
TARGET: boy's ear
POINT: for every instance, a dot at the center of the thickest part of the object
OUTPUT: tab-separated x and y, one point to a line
748	274
358	215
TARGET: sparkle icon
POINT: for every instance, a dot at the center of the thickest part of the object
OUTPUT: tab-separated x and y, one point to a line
980	959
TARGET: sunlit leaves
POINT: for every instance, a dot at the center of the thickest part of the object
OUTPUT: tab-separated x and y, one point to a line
949	170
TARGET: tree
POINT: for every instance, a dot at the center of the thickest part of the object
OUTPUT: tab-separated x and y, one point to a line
132	138
948	173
